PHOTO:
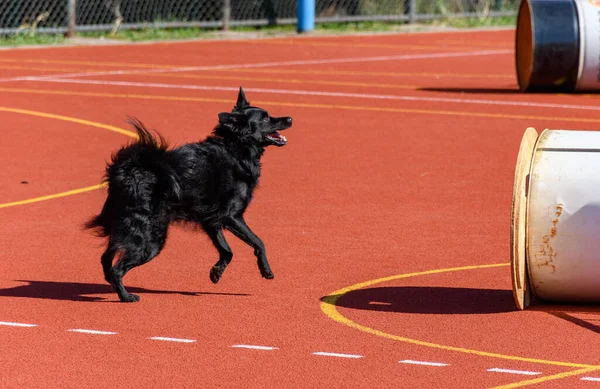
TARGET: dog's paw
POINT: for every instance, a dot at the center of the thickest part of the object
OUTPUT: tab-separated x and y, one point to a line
130	298
268	274
215	274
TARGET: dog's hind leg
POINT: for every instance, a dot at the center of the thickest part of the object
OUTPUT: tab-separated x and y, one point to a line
239	228
107	259
129	260
135	255
225	254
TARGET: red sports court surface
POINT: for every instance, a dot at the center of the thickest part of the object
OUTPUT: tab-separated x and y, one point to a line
386	220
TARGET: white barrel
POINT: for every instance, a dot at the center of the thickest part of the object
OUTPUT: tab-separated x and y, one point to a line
563	217
588	77
547	45
557	45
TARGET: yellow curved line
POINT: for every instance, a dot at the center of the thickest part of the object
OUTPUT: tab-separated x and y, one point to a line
68	119
328	306
52	196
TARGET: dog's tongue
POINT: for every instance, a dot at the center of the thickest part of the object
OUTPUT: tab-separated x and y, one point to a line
277	135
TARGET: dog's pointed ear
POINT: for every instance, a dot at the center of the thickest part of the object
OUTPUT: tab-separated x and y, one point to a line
241	101
233	122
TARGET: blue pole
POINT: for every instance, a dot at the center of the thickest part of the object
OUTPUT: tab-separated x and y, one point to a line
306	15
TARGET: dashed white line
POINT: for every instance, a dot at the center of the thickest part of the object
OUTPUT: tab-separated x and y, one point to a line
93	332
11	324
523	372
337	355
179	340
590	379
409	361
320	353
252	347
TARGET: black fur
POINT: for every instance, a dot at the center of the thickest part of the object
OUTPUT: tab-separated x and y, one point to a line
209	183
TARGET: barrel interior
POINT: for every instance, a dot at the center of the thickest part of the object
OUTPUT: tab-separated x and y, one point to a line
524	45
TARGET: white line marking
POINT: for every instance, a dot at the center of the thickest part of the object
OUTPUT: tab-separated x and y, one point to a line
172	339
331	94
262	64
523	372
94	332
423	363
254	347
337	355
11	324
590	379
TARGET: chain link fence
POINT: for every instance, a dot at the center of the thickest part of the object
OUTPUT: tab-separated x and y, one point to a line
65	16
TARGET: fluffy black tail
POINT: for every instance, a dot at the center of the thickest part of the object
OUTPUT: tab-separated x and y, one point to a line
138	176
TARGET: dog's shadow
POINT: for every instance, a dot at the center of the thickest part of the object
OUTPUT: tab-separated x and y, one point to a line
79	291
426	300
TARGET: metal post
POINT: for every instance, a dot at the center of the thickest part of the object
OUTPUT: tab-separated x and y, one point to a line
306	15
412	11
226	14
71	18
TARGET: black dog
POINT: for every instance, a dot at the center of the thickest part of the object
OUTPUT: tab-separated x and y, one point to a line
209	183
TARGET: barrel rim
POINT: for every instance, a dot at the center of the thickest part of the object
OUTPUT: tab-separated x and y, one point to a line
524	45
518	227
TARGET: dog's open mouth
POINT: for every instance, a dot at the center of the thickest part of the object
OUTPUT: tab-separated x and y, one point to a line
277	138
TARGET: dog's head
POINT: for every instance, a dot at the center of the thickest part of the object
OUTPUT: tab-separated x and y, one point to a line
252	124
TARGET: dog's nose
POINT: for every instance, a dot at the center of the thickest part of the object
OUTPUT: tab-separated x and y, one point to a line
289	120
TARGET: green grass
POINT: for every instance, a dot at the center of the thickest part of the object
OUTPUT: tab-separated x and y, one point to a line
506	21
359	27
190	33
502	21
22	39
147	34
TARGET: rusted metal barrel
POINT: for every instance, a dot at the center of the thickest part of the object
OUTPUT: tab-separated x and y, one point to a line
557	46
555	229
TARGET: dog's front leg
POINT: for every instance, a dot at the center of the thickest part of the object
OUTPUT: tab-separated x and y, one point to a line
225	254
239	228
